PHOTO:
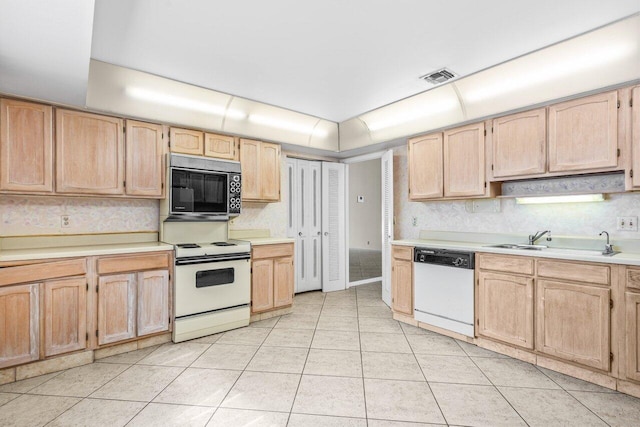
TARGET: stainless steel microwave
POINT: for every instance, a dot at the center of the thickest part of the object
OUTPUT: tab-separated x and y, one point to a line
203	189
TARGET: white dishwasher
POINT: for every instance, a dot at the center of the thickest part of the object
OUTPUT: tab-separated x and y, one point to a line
443	289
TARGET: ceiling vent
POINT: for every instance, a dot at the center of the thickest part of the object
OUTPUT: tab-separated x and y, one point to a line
438	77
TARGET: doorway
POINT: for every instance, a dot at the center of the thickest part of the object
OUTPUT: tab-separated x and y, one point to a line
365	219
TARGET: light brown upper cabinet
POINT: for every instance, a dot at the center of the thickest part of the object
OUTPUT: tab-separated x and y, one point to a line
519	144
26	147
144	148
583	134
221	146
464	161
425	167
89	154
260	162
635	137
186	141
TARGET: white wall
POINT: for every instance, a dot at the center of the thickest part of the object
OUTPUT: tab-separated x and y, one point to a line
365	219
571	219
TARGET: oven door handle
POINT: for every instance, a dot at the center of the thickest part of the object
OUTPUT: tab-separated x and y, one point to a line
208	260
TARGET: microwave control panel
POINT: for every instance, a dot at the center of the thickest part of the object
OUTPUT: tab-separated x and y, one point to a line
235	185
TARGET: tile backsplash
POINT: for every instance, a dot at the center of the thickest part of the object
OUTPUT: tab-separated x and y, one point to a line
41	215
568	219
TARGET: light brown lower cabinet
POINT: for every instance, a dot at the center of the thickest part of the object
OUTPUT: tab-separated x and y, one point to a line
573	322
272	279
632	342
402	279
65	315
19	324
132	305
505	308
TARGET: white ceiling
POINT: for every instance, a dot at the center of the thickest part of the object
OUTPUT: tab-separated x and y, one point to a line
332	59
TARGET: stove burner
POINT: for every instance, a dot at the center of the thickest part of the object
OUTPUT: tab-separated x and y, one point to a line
188	245
223	244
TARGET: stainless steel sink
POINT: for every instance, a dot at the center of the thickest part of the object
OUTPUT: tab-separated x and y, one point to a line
521	247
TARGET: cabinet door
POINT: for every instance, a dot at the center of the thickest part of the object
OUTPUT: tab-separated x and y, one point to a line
220	146
505	308
635	136
572	322
583	134
250	165
116	308
632	301
282	281
261	285
186	141
464	168
520	144
19	321
402	286
144	171
425	167
153	302
89	153
26	146
65	316
270	172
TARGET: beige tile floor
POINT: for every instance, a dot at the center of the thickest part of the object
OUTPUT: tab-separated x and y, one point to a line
338	360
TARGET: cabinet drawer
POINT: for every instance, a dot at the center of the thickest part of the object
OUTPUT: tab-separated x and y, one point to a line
402	252
633	278
273	251
589	273
123	264
508	264
44	271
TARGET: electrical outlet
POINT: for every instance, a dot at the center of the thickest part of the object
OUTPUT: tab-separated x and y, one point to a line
627	223
65	222
414	221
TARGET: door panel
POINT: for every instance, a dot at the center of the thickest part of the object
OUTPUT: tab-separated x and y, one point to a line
153	302
333	227
116	308
387	223
65	316
19	324
261	285
220	146
425	167
270	171
402	276
464	165
632	301
250	164
283	281
307	187
186	141
144	171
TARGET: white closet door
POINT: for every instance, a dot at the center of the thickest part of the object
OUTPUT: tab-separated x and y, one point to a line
333	227
292	199
387	223
313	228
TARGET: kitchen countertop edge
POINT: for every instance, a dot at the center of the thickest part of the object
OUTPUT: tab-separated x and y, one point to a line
623	258
81	251
258	241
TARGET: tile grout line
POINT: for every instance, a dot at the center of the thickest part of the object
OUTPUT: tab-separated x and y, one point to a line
364	388
572	396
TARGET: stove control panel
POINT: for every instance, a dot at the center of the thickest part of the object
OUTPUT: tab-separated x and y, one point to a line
235	198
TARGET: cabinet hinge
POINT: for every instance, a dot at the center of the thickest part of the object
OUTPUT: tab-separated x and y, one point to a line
491	166
97	286
631	173
251	270
618	103
87	285
491	129
124	183
611	357
96	333
485	184
631	102
478	322
485	132
162	185
86	336
618	152
162	135
610	303
124	129
169	319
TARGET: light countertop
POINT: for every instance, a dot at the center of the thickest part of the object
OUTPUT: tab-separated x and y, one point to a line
256	241
625	258
80	251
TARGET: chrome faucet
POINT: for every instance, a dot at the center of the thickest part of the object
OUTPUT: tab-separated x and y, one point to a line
608	248
538	235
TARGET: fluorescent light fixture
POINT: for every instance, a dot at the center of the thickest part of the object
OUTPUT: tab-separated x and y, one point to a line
570	63
406	116
287	125
571	198
183	103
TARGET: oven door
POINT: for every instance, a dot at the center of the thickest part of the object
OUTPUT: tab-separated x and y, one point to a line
203	285
199	192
